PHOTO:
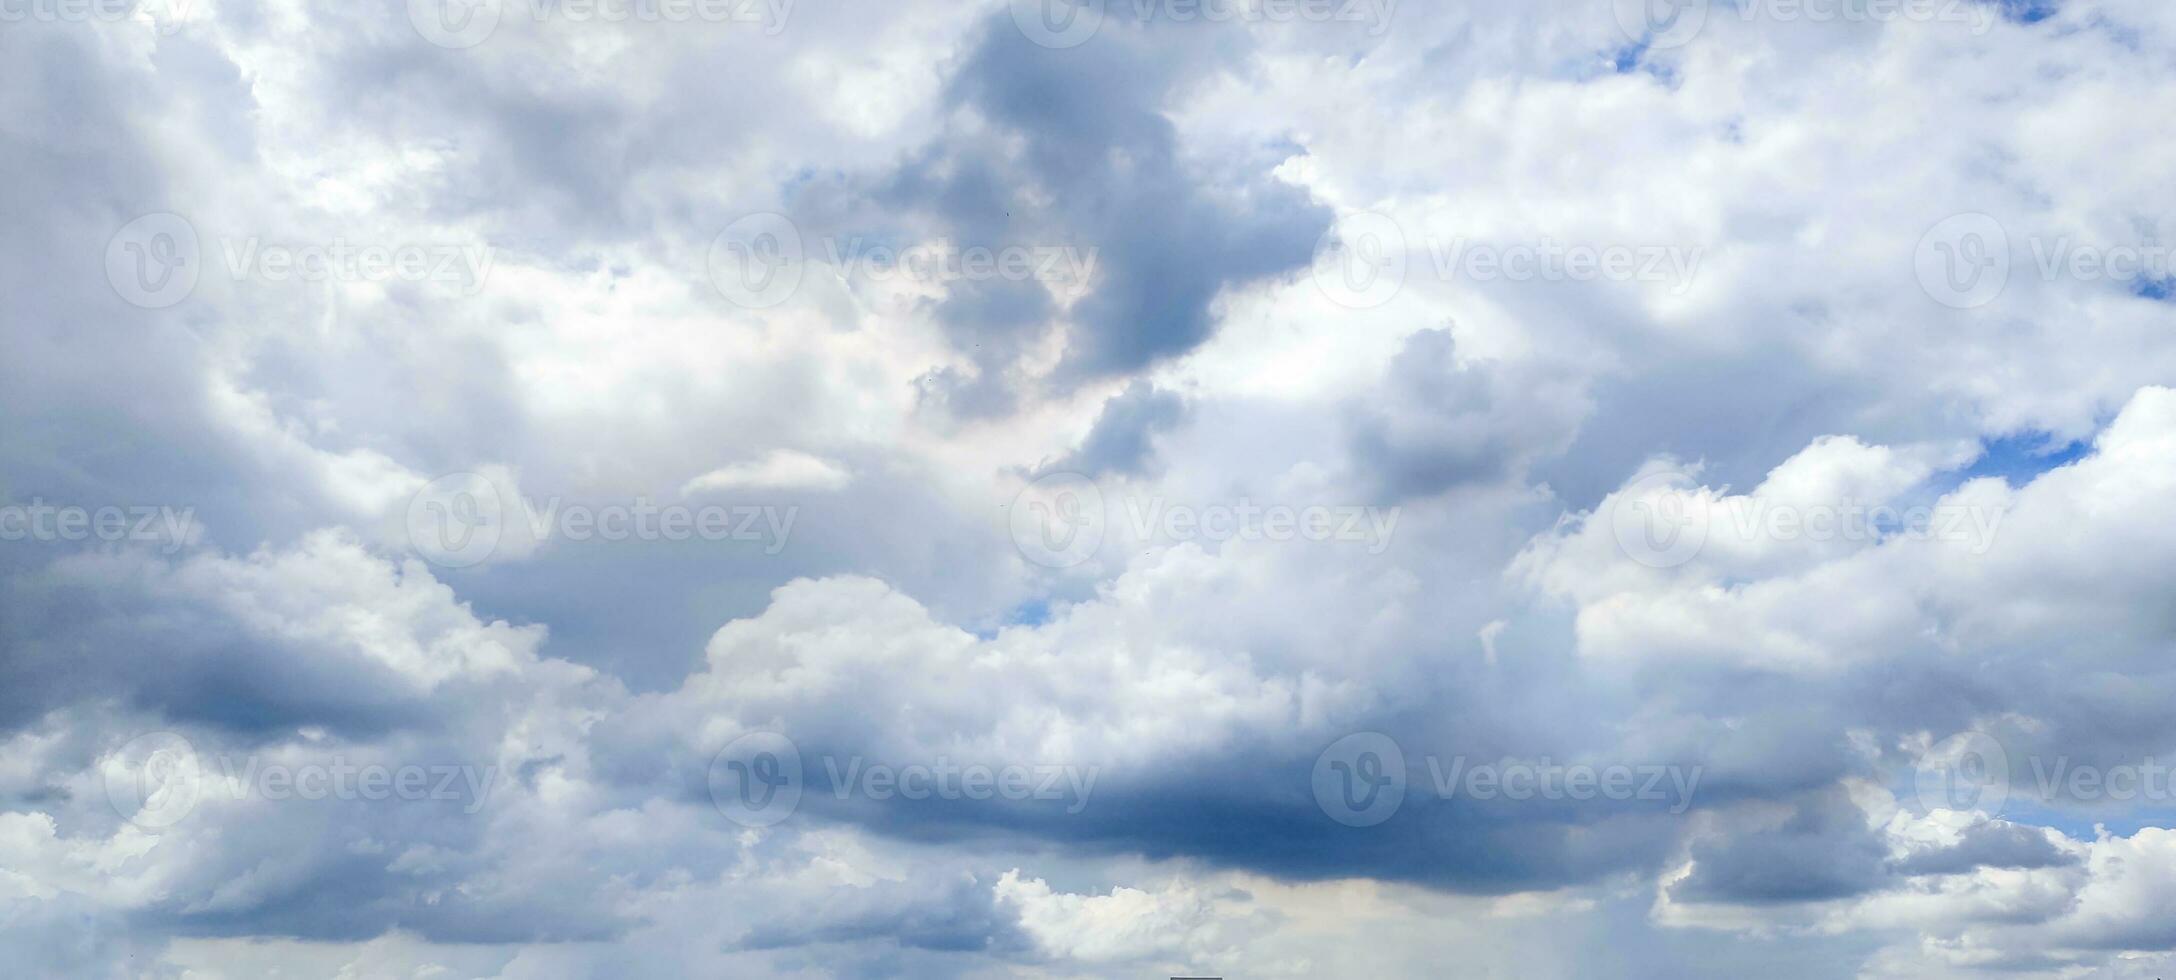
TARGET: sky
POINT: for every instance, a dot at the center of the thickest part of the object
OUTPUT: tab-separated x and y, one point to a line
1064	489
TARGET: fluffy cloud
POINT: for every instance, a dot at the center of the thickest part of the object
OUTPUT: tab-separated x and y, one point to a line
1775	521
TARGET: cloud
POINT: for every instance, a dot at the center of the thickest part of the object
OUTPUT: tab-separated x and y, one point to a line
782	470
1841	578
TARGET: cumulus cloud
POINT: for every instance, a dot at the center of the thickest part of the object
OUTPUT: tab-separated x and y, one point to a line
1521	613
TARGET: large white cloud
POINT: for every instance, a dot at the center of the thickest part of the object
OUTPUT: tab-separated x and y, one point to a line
1788	394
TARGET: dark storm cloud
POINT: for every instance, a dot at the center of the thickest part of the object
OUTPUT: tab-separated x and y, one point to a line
1099	166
